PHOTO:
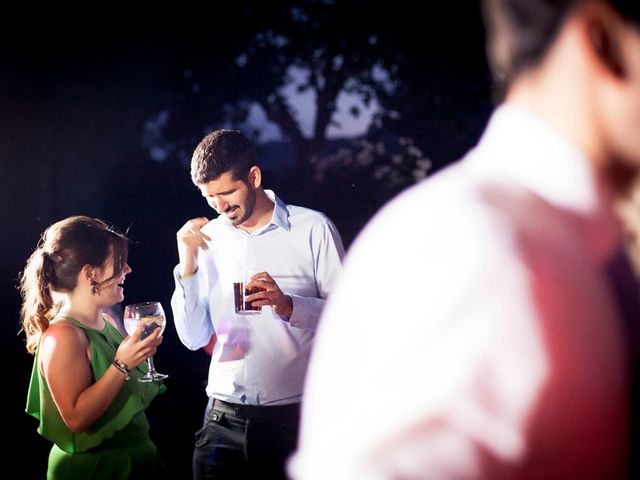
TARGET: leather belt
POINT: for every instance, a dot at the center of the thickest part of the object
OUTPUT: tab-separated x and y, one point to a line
255	411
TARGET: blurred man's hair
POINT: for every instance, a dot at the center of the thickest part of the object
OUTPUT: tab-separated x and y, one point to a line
519	32
222	151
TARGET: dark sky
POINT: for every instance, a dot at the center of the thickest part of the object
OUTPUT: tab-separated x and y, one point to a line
73	101
70	110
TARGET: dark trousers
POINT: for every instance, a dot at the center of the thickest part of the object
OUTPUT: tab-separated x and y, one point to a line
239	441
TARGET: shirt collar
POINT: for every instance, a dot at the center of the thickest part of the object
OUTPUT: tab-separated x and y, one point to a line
280	216
528	150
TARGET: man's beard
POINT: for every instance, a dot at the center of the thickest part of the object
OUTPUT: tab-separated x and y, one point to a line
249	208
623	178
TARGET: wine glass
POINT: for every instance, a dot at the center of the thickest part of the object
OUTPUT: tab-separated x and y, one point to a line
152	315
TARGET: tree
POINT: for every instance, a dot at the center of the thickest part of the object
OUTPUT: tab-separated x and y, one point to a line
327	49
421	75
320	48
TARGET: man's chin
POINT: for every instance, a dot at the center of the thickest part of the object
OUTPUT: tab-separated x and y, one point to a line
232	222
227	220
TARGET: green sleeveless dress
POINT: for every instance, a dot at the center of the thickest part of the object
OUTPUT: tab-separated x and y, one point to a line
117	446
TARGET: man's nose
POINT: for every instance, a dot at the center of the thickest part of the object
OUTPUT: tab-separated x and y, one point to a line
218	204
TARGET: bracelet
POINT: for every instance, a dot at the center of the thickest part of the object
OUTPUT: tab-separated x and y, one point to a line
122	367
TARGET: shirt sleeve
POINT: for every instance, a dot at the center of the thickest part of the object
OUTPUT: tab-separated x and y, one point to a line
190	311
328	252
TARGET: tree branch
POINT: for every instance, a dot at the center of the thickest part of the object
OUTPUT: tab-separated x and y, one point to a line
279	113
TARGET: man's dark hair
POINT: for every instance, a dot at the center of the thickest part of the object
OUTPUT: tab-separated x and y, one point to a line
222	151
520	32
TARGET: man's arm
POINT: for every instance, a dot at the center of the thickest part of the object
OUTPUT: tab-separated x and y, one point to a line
304	312
328	252
190	311
189	303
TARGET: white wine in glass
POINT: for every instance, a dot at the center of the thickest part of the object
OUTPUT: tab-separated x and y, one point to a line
152	315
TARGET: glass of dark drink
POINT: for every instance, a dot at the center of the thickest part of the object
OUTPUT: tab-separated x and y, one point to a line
241	291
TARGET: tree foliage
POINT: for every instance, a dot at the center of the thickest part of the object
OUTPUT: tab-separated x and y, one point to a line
421	69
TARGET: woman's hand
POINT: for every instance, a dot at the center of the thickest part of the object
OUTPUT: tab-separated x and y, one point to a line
133	351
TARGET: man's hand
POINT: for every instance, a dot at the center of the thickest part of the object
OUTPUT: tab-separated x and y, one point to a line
190	238
271	295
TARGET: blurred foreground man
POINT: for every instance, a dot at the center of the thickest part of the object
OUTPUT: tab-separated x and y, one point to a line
474	332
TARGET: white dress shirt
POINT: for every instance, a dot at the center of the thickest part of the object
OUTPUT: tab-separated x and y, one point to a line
259	359
472	333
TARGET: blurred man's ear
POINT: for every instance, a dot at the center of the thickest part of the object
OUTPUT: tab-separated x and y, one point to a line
604	27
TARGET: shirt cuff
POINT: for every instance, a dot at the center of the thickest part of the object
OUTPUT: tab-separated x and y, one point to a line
190	275
188	283
304	314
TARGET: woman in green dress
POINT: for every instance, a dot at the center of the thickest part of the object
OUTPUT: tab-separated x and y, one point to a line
84	388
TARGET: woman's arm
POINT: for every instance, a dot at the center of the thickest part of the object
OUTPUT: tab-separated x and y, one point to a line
65	364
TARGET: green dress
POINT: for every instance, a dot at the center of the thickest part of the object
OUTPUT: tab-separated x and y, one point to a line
117	446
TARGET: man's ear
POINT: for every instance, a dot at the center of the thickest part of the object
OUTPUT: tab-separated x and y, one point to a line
604	28
255	177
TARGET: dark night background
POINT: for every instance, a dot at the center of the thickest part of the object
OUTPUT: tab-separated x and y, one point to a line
79	114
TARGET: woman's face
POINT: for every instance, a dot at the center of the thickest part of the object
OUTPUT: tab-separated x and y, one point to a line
112	291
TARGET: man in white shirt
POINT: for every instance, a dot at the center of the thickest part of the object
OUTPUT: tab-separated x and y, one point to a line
473	333
258	361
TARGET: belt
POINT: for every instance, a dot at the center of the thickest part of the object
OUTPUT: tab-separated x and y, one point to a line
255	411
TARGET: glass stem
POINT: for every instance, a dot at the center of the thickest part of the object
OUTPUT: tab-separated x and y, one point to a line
152	369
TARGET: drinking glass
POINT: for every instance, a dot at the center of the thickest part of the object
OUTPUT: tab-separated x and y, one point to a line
242	275
152	315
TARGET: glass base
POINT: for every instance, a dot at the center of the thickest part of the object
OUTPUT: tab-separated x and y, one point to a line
153	377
